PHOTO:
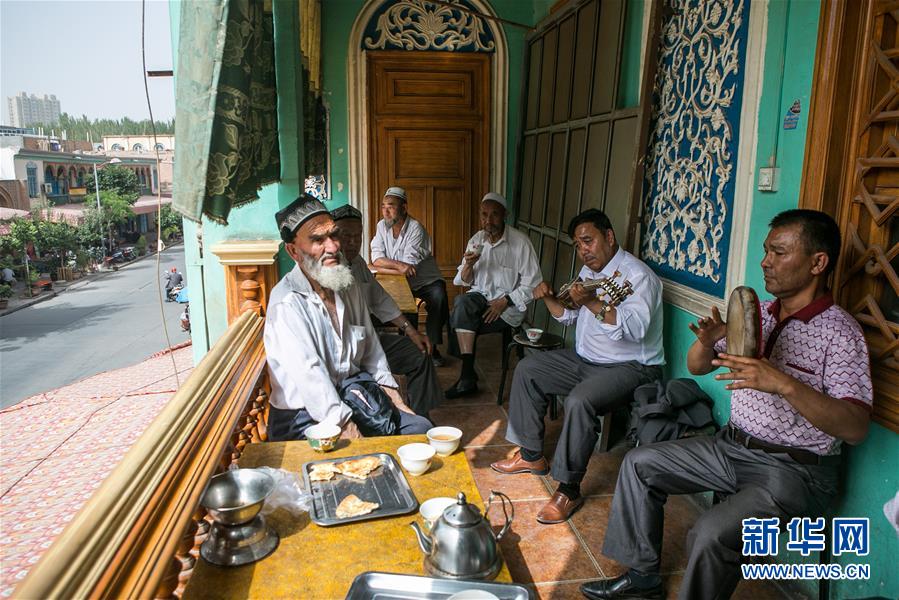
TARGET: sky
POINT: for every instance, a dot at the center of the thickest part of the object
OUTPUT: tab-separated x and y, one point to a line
88	53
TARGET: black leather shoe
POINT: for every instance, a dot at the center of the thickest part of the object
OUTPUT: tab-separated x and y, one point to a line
620	587
437	358
463	387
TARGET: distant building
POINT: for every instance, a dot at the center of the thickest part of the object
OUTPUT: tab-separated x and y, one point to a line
25	110
138	143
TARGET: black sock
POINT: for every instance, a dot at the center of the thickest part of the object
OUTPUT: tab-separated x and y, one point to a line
530	455
572	490
644	580
468	367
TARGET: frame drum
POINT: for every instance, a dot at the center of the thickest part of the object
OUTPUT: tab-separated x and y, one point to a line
744	323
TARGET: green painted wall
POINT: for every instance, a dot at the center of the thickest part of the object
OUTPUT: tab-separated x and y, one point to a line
337	21
872	476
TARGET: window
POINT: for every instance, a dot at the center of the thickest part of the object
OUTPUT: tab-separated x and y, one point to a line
117	147
138	147
159	147
31	174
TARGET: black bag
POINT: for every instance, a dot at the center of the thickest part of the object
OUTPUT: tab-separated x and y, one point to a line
373	411
663	412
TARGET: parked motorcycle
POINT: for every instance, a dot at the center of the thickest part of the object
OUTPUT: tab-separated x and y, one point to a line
129	253
171	294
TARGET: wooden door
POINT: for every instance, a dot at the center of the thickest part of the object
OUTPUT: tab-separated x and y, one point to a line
852	173
429	132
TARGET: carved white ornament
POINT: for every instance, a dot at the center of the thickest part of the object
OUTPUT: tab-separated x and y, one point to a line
691	159
423	25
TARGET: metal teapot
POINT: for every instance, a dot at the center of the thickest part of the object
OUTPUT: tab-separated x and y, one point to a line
462	544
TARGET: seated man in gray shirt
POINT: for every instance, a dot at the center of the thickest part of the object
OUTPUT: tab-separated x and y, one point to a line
318	335
402	246
408	354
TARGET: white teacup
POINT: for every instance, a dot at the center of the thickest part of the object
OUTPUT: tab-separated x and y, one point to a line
444	439
416	457
476	249
534	334
430	510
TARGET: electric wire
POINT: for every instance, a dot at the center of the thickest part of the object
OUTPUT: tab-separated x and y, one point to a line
143	57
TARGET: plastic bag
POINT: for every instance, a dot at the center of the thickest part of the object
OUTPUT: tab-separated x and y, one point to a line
288	492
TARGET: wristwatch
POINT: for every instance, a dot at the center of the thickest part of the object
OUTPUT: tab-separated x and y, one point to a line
509	300
603	310
405	326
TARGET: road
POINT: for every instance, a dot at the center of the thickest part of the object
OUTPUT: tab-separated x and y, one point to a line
112	321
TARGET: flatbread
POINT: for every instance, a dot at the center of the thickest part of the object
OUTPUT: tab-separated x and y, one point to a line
359	468
323	472
352	506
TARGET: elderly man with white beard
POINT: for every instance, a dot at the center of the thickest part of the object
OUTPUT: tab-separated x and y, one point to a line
320	345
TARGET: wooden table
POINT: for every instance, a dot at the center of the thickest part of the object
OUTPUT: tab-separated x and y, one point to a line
398	288
321	562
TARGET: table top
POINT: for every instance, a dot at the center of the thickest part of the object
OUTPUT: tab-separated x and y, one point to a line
321	562
398	288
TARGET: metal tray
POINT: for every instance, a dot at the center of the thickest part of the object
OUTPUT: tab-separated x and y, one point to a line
386	485
389	586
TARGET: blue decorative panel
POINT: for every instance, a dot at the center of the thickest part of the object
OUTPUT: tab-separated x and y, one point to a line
423	25
695	125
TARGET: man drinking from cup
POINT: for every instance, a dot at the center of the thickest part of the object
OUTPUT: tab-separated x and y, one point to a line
500	267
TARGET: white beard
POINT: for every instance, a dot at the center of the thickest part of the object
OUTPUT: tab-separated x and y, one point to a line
337	278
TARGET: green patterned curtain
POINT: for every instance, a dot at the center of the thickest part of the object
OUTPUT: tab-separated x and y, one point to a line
226	117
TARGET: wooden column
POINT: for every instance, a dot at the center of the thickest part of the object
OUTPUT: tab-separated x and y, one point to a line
250	274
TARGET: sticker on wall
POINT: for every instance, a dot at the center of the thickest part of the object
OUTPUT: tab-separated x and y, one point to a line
791	119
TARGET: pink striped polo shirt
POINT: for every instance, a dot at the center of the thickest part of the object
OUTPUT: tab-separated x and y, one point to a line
822	346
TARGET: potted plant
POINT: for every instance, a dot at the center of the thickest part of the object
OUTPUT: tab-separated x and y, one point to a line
5	294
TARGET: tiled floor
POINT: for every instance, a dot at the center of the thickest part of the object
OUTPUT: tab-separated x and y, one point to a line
556	559
58	447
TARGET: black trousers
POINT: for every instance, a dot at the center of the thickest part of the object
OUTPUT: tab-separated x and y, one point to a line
468	313
405	358
756	485
434	296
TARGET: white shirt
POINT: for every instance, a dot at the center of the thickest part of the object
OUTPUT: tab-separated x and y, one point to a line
637	332
412	246
507	267
380	304
306	357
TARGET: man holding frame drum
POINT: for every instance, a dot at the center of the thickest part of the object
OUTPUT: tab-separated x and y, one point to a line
778	456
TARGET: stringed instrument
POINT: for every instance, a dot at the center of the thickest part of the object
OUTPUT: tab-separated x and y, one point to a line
616	292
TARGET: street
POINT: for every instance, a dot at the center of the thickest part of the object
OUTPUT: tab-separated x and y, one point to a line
112	321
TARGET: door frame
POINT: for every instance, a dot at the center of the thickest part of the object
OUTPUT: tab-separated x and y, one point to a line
357	102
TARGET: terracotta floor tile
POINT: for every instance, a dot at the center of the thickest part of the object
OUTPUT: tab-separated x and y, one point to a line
680	514
559	591
602	472
483	426
517	487
107	428
539	553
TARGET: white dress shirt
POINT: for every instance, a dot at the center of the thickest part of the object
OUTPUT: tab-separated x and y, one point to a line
508	267
380	304
412	246
307	359
637	332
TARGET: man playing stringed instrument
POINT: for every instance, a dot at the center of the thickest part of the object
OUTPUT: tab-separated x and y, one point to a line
791	409
618	347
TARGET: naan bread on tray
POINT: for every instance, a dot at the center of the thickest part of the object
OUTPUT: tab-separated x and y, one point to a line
323	472
359	468
352	506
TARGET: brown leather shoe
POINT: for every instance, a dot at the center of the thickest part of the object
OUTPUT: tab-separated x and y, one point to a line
515	464
559	509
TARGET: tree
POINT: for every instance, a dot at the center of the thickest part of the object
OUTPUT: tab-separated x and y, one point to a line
114	210
170	223
56	238
118	179
80	128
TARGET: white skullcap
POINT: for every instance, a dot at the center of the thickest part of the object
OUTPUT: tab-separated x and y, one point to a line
396	191
493	196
